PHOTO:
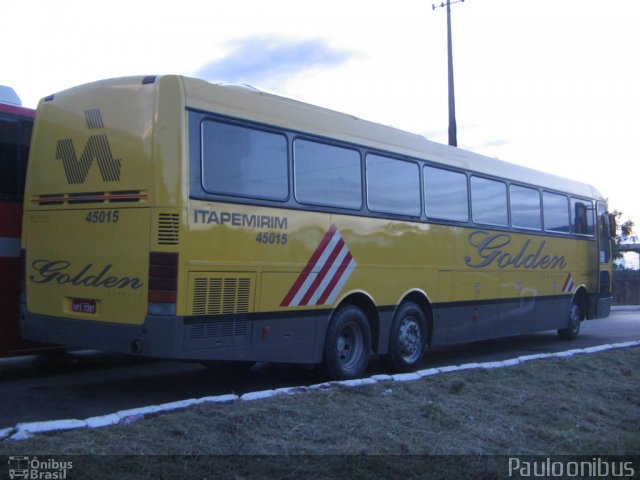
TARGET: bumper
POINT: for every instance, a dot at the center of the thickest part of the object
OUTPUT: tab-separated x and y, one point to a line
227	338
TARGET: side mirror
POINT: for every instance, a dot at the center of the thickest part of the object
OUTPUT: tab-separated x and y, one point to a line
613	227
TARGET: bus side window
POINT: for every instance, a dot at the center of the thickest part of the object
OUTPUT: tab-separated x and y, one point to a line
525	208
446	194
489	202
582	217
244	162
393	186
556	212
327	175
9	151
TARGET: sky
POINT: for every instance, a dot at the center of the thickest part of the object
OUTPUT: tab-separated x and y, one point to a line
552	85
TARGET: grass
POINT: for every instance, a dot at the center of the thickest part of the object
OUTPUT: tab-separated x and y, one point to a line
581	405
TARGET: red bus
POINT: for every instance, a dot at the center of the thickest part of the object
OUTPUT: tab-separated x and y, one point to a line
16	123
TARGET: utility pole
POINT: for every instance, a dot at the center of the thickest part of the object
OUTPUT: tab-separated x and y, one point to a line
453	129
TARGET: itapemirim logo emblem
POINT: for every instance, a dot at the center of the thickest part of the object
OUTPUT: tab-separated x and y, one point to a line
97	148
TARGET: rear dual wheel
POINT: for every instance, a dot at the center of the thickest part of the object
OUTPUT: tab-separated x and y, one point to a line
347	349
407	339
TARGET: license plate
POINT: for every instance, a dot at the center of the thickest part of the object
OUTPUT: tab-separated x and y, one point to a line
81	305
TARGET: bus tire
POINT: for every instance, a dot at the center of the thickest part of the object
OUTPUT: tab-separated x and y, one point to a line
407	339
573	323
347	348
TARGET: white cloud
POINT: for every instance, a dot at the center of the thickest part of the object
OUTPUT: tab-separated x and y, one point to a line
552	86
270	60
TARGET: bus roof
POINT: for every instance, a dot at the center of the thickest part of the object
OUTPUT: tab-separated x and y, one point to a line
19	111
247	102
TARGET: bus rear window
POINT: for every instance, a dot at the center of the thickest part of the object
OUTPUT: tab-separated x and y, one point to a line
244	162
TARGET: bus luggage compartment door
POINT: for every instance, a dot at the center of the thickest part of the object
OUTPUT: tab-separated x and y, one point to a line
88	264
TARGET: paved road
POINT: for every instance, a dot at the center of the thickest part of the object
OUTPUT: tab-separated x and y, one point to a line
85	384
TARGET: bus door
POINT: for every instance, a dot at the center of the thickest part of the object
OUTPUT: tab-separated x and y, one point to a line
606	230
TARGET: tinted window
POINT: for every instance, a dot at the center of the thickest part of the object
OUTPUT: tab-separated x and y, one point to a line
26	127
243	161
582	216
9	158
489	201
603	229
525	207
327	175
556	212
445	194
393	186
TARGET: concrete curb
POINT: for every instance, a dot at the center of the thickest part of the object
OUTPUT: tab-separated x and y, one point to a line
24	431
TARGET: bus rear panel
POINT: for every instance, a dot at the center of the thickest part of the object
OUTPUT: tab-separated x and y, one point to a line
95	213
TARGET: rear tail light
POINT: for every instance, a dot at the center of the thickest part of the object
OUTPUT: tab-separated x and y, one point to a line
163	283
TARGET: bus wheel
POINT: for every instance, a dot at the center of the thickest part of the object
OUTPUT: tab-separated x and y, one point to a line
573	324
347	348
407	339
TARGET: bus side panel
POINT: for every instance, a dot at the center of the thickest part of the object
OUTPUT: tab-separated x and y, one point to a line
393	258
241	263
519	283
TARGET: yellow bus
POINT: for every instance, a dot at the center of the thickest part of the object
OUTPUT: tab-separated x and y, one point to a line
169	217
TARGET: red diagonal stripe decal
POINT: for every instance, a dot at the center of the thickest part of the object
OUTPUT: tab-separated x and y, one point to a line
336	278
567	282
309	267
325	269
